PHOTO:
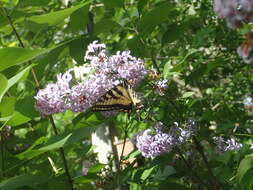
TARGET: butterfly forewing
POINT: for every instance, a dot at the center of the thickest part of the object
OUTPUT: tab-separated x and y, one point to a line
117	98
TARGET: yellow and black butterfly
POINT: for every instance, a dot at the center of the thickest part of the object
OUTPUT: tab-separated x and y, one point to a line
121	98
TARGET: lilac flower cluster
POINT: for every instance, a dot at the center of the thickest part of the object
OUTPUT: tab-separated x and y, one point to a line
52	99
6	132
154	144
248	102
161	86
236	12
226	145
109	71
246	48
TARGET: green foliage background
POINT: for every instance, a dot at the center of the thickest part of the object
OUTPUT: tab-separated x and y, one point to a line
183	40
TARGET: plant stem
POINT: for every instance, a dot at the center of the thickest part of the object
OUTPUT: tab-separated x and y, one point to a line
125	137
123	148
62	154
111	128
199	147
2	154
37	86
195	175
22	45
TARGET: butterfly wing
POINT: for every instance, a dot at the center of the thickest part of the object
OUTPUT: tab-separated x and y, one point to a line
118	98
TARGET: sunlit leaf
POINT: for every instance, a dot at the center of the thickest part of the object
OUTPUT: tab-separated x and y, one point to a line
154	17
58	142
7	109
3	85
188	94
14	56
96	168
147	173
245	173
56	17
113	3
22	180
14	80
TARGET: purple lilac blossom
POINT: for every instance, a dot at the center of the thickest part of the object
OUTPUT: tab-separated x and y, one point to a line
52	99
109	71
190	129
6	132
226	145
235	12
154	144
161	86
248	102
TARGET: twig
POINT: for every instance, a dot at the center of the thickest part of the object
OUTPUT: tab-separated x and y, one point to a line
62	154
114	149
195	175
123	148
125	137
201	152
2	153
37	86
23	46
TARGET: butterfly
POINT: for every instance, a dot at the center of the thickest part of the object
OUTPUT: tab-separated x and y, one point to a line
120	98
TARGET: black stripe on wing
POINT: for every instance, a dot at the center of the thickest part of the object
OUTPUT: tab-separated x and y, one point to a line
112	107
118	98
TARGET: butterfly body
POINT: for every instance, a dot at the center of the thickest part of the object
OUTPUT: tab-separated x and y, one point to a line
120	98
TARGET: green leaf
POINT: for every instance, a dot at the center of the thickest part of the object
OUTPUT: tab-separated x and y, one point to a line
173	33
33	153
85	179
147	173
141	5
26	107
79	19
14	80
171	185
163	173
3	85
14	56
56	17
96	168
9	3
88	119
154	17
5	119
113	3
18	119
137	47
7	106
188	94
23	180
168	70
57	142
105	26
7	109
245	173
134	154
76	49
26	3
